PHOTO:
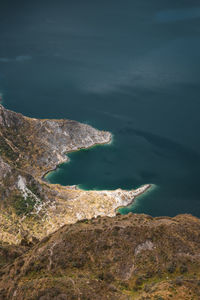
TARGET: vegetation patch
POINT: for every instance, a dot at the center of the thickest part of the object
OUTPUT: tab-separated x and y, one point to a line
24	206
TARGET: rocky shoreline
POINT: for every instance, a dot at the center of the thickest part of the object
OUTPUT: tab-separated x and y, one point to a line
67	158
31	148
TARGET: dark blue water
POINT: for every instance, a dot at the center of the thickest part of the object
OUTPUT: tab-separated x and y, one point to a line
131	67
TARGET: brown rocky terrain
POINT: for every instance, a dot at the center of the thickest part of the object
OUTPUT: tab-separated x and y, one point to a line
53	244
125	257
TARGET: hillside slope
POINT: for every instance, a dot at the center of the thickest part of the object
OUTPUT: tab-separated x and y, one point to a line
125	257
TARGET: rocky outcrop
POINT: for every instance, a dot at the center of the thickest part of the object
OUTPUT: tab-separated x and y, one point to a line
127	257
44	143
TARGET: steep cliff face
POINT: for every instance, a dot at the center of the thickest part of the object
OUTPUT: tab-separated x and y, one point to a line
30	207
126	257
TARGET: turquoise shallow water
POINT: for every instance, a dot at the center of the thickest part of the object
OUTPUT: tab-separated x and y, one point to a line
132	68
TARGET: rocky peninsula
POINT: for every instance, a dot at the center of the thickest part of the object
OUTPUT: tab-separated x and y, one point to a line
29	148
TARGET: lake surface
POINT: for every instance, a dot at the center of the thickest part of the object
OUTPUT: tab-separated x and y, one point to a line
131	67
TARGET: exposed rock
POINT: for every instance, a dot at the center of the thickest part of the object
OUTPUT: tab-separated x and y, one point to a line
147	245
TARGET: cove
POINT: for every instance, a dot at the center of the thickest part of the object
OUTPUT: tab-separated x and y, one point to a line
108	167
129	68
